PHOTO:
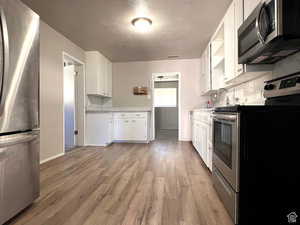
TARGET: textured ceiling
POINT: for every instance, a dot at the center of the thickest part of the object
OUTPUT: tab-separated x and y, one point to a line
180	27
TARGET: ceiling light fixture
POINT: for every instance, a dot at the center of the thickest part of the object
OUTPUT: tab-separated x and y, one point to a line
142	24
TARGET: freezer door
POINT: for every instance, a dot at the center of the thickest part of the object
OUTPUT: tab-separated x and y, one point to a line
19	173
19	67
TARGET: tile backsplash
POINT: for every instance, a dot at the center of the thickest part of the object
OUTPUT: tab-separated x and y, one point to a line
251	93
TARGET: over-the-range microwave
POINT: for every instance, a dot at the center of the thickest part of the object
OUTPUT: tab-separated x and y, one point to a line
270	33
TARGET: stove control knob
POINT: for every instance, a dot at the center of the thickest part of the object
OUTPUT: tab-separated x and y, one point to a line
270	87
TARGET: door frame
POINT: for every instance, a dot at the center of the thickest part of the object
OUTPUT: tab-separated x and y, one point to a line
79	100
179	103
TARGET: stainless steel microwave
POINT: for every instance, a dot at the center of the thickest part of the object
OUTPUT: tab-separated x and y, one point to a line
270	33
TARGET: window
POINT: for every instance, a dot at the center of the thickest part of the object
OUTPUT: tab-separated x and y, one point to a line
165	97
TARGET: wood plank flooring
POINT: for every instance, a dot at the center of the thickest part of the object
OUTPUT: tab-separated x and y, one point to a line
162	183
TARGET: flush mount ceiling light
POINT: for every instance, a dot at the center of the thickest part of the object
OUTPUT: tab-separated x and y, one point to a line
142	24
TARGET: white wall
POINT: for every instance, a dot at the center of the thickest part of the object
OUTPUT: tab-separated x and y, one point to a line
131	74
52	46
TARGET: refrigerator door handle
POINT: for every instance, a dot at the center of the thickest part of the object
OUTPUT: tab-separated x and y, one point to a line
5	54
18	139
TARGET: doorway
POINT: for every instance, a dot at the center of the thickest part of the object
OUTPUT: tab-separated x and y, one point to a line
73	73
166	104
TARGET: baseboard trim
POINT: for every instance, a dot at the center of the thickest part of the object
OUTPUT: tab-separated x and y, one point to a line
51	158
98	145
185	139
132	142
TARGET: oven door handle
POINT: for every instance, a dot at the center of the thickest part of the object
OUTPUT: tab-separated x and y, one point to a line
220	118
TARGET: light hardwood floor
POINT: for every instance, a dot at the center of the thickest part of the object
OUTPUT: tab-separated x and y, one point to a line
162	183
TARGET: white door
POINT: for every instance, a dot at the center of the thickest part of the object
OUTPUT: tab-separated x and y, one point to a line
69	107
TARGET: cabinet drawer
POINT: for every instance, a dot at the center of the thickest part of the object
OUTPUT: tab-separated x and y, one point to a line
130	115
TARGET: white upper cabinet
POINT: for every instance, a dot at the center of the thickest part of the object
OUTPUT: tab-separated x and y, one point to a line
109	79
230	43
205	71
249	6
98	75
93	74
239	19
218	58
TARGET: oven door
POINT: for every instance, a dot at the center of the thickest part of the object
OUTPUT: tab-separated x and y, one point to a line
226	147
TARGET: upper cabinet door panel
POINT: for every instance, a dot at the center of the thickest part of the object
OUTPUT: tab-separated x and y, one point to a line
98	74
109	79
92	73
249	6
239	19
229	39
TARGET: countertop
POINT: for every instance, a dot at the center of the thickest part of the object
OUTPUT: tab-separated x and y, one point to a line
118	109
203	110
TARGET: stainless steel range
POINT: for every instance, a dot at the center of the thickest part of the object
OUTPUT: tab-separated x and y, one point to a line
255	160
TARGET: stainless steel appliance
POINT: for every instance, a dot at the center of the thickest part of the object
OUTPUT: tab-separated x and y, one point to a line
226	159
19	108
270	33
256	157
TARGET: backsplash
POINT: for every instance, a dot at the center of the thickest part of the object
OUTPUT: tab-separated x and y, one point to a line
251	93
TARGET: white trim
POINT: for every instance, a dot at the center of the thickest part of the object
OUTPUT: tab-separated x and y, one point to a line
98	145
154	75
73	58
185	139
51	158
65	54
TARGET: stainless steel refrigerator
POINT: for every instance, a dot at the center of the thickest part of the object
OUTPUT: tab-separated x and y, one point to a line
19	107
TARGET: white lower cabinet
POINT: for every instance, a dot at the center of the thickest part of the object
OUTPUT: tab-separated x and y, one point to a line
131	127
104	128
99	128
202	136
121	129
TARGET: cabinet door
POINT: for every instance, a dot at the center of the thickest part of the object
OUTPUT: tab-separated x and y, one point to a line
98	128
109	79
102	80
207	69
92	73
122	130
249	6
239	19
110	131
139	130
204	142
198	137
229	43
